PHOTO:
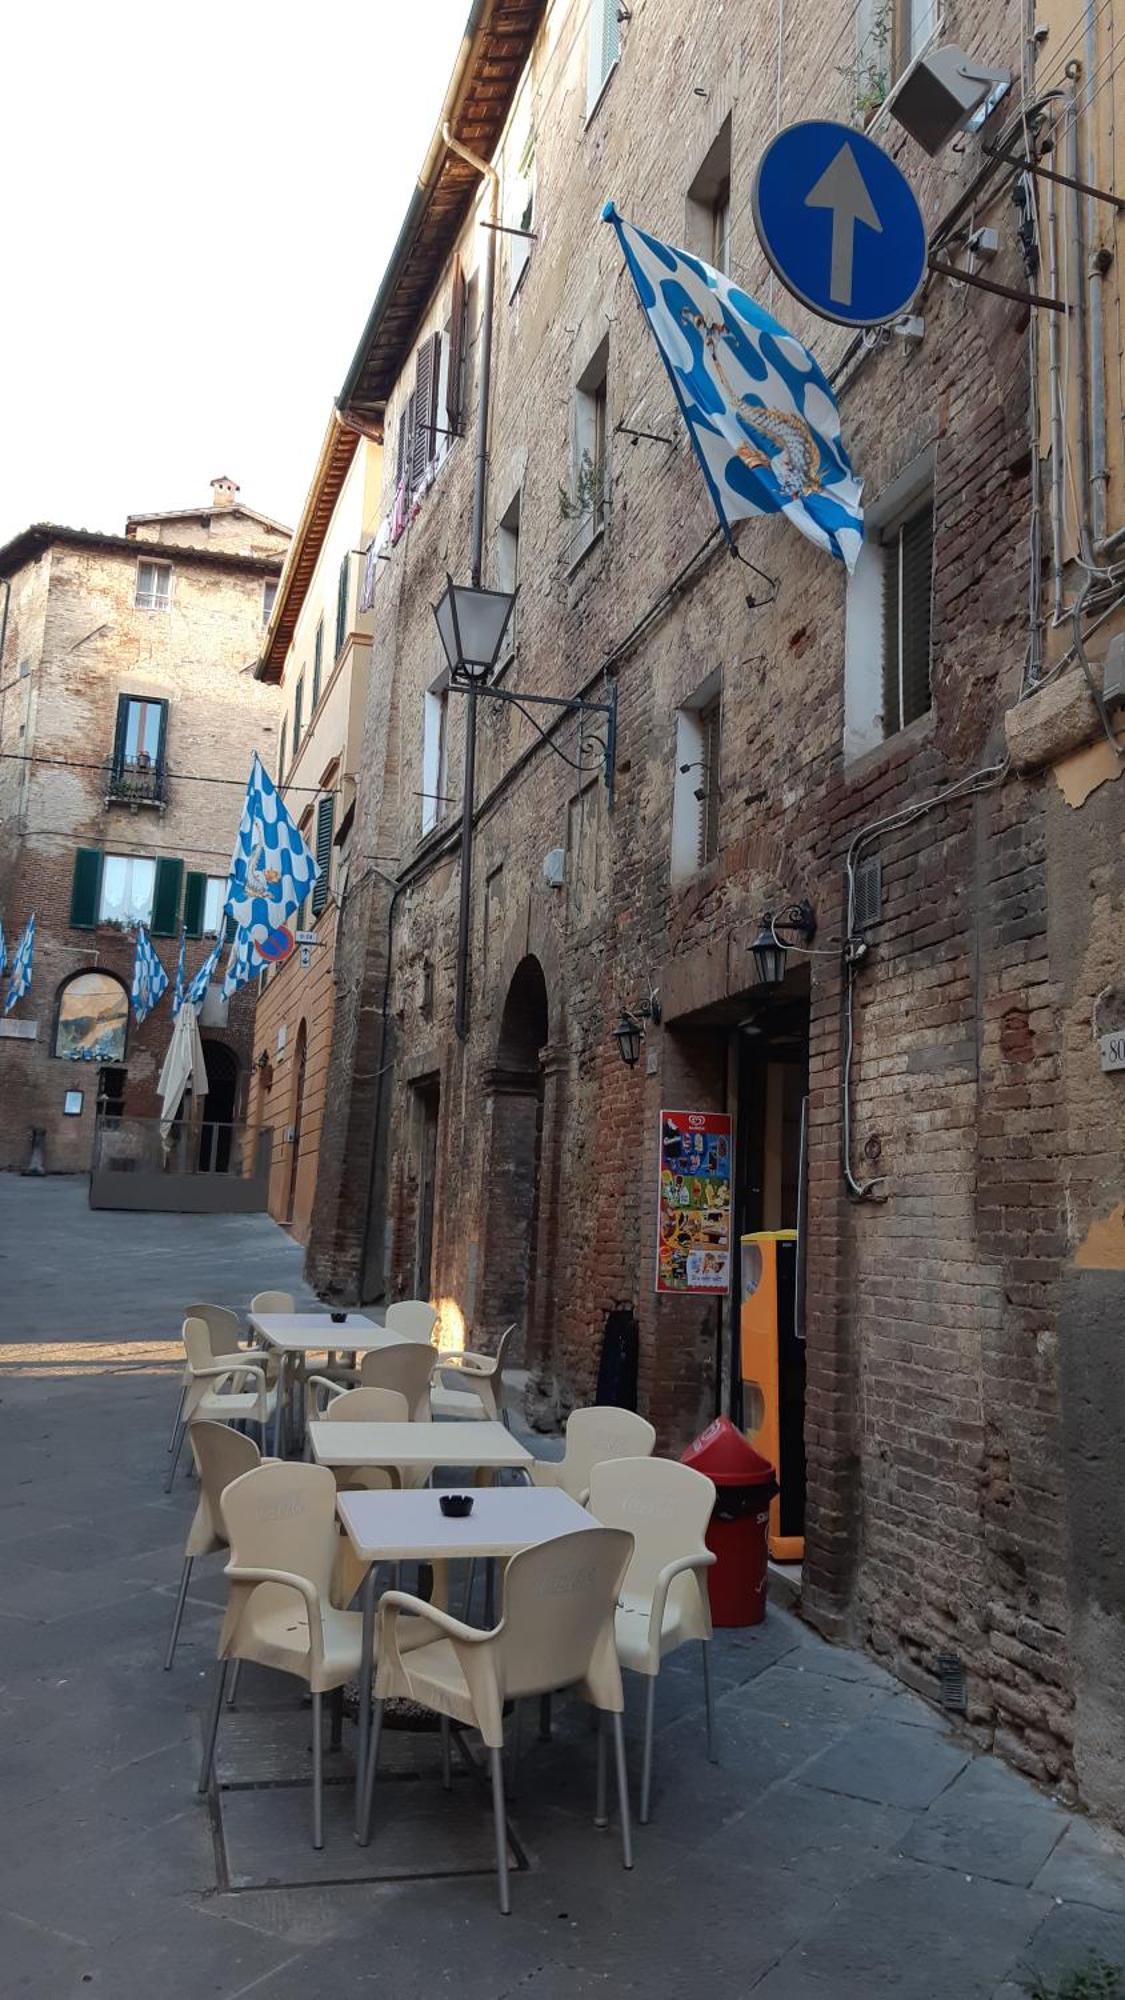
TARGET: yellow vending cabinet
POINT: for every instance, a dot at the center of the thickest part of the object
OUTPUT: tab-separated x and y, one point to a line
773	1379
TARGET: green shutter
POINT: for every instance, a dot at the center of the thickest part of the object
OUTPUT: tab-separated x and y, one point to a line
195	897
318	663
298	704
86	888
342	606
324	815
166	899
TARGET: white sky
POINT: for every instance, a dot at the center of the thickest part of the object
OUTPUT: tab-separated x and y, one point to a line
199	204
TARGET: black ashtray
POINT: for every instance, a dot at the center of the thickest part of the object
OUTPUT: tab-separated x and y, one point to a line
337	1318
456	1505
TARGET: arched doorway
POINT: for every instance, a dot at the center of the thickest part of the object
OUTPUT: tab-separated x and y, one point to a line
298	1110
220	1107
512	1205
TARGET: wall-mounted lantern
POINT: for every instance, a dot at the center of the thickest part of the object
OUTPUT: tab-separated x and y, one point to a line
629	1033
471	624
770	950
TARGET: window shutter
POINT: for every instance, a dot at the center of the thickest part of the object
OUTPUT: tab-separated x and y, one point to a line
166	897
318	662
298	704
892	707
342	605
120	734
229	928
402	470
325	812
195	892
281	753
710	724
456	368
86	888
425	405
916	585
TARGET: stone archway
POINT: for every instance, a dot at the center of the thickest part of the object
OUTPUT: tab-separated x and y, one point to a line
515	1087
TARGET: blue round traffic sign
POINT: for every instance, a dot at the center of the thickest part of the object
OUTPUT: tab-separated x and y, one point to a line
839	223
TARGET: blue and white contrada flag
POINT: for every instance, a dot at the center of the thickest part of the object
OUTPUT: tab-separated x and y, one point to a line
149	977
759	410
242	964
272	870
179	988
197	991
20	978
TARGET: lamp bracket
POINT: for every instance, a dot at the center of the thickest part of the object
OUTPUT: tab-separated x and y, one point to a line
602	736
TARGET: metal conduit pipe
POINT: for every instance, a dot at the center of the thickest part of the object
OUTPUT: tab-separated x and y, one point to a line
1077	304
1099	471
1054	390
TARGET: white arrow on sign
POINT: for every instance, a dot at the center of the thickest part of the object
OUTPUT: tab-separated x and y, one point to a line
842	189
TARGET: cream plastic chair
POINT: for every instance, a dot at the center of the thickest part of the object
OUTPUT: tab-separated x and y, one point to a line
593	1435
555	1632
406	1367
280	1522
208	1400
483	1377
367	1406
221	1454
225	1334
664	1604
415	1319
273	1302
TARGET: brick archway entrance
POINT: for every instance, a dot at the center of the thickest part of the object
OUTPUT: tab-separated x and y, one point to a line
515	1087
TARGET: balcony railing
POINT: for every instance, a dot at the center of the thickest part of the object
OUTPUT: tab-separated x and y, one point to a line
137	781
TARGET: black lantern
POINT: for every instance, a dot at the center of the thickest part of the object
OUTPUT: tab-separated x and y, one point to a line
630	1030
770	950
471	623
629	1034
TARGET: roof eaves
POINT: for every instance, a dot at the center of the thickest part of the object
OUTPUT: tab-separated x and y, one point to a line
332	467
32	541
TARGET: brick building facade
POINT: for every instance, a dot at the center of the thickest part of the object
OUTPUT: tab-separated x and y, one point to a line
779	738
128	718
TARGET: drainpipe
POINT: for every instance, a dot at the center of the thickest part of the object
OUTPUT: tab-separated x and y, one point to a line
1099	474
1054	390
1078	304
476	563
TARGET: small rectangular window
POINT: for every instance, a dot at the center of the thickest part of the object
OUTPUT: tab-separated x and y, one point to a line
887	634
590	481
708	204
154	586
519	184
427	379
214	897
908	562
127	891
508	564
269	598
435	717
697	781
603	48
138	751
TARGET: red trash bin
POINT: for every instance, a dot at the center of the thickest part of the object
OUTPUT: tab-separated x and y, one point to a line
745	1485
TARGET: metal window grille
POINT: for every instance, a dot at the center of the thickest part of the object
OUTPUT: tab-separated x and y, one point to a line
710	758
908	567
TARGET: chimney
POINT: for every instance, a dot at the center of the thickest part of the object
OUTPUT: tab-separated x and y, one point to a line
224	492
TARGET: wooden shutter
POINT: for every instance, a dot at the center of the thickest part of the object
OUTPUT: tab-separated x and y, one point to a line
402	470
86	888
342	604
281	753
710	725
325	811
916	577
298	704
426	373
455	370
195	898
318	663
120	735
166	897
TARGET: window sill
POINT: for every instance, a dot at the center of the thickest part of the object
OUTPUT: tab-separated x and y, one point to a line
593	109
903	743
597	535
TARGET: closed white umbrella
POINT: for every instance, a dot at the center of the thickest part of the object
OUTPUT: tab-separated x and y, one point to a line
184	1068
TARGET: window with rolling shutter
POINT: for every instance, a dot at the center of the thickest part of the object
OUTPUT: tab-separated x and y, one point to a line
325	811
908	563
426	374
455	365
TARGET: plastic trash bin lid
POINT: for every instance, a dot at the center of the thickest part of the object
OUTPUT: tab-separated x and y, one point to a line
724	1455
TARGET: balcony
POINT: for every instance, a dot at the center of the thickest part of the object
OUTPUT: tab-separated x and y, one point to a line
137	781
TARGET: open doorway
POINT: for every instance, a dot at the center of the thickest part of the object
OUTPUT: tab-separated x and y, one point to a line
515	1161
219	1107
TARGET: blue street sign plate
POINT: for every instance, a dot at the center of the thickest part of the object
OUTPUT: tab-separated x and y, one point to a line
839	223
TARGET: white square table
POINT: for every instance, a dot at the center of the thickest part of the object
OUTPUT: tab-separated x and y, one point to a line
410	1527
419	1446
315	1333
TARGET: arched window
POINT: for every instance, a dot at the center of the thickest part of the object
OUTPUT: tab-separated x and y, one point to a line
92	1019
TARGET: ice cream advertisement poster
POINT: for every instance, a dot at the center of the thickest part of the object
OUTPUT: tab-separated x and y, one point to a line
693	1249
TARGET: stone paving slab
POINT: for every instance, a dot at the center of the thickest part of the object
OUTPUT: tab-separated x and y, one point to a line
845	1847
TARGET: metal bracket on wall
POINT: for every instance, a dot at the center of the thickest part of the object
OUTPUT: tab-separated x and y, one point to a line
600	735
991	285
1052	174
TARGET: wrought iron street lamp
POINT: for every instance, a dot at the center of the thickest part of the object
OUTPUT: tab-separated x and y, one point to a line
629	1033
769	951
471	624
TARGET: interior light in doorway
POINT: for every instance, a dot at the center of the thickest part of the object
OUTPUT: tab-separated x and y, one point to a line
770	951
471	624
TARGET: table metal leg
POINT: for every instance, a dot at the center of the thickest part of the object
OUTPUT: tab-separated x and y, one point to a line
366	1657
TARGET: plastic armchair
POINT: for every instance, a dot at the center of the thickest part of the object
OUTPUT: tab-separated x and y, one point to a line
280	1523
368	1406
225	1335
221	1454
231	1388
664	1603
556	1631
415	1319
593	1435
273	1302
407	1367
483	1378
